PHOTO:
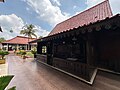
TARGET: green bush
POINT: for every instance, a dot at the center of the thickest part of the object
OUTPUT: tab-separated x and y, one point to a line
3	53
22	52
18	52
34	51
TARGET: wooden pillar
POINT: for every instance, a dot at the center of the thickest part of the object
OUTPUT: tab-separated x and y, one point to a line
39	48
26	47
7	47
90	50
17	47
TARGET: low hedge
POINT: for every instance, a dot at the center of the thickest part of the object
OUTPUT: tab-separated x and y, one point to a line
3	53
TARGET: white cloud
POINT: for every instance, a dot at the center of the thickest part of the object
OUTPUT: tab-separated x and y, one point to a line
91	3
47	11
74	7
41	32
115	4
27	9
8	22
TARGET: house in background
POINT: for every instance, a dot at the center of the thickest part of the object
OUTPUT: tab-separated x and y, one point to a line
18	43
84	43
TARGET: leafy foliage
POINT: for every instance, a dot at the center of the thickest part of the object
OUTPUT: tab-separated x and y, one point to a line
3	53
22	52
2	39
29	30
4	81
34	51
13	88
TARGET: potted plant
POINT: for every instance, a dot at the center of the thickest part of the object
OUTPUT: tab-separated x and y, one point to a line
4	81
2	56
34	52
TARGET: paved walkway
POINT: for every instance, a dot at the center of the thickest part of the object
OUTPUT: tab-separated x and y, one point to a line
30	75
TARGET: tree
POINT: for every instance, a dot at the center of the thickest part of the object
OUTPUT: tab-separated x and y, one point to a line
28	30
40	37
2	39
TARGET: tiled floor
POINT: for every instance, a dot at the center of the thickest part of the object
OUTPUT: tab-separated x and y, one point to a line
30	75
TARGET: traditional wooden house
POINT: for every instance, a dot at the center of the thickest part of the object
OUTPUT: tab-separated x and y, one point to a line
84	43
18	43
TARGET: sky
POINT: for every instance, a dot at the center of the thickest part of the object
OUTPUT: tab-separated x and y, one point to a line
44	14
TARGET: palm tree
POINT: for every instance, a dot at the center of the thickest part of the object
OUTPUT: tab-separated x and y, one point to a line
28	30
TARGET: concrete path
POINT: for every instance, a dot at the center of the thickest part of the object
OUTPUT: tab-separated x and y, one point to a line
31	75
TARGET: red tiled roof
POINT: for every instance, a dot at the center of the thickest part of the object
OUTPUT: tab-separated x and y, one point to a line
19	40
98	12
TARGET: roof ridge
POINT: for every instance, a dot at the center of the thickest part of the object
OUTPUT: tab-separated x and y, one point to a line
25	37
9	39
82	12
102	11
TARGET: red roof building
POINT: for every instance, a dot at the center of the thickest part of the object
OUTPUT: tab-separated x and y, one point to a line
98	12
17	42
84	43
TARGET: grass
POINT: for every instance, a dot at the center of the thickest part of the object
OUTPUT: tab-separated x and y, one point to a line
29	54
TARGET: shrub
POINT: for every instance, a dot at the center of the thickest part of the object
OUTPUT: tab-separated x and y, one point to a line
22	52
3	53
34	51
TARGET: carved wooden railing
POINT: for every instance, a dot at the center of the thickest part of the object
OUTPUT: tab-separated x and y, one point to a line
74	67
41	57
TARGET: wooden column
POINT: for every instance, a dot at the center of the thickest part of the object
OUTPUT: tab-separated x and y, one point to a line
17	47
26	47
90	50
7	47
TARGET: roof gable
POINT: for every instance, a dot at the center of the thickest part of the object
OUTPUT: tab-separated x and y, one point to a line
98	12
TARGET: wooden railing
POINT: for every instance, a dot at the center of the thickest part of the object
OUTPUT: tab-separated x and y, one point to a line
74	67
41	57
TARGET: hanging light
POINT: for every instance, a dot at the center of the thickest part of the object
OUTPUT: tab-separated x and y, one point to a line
63	42
74	39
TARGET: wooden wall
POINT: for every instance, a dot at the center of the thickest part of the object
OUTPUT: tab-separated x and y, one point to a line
108	47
